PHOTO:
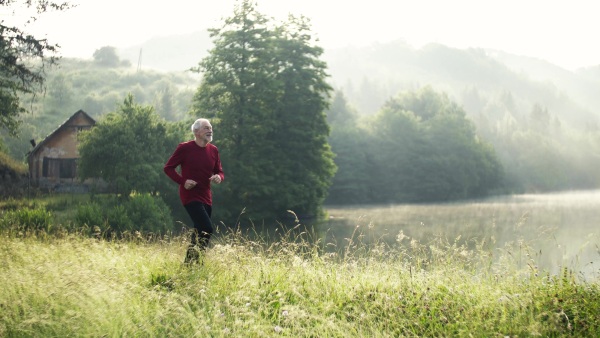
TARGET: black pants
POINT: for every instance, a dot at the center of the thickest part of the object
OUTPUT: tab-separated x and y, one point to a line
203	229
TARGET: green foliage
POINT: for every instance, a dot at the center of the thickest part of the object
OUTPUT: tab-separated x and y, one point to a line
264	88
352	157
23	60
539	119
149	213
140	212
27	220
90	214
107	57
9	164
81	84
127	148
348	142
420	147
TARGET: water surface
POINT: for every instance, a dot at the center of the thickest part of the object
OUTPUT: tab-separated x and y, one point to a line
561	229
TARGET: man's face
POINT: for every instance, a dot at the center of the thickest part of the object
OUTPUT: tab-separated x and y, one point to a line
204	132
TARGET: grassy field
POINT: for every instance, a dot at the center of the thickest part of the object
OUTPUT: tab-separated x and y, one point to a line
71	285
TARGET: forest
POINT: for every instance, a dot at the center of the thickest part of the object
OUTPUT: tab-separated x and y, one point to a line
385	124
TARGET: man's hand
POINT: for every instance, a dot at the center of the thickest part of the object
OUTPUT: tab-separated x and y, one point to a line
189	184
215	179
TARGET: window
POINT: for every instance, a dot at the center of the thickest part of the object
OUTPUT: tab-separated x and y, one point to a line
59	167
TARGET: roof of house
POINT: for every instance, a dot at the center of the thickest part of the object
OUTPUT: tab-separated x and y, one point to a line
63	125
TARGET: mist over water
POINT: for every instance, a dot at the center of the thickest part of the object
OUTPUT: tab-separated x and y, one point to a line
557	230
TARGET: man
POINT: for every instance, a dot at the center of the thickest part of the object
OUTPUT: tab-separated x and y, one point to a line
200	167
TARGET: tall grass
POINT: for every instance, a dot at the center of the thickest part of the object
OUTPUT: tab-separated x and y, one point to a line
252	285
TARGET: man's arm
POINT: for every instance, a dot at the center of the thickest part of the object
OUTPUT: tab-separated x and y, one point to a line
173	162
218	174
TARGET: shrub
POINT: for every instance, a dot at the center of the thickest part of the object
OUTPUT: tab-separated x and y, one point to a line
140	212
118	219
89	214
27	219
149	213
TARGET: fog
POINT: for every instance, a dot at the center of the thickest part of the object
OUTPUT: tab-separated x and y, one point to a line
556	231
561	33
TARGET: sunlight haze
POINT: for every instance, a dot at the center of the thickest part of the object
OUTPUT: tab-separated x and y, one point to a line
561	32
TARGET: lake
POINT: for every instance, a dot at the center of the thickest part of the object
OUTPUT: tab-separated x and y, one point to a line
558	229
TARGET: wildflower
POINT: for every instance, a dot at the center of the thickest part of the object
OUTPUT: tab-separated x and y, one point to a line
278	329
284	313
414	244
401	236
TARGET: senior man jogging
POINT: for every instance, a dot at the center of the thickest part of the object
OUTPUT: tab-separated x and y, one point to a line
200	166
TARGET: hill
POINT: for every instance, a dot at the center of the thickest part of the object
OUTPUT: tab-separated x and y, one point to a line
97	89
370	75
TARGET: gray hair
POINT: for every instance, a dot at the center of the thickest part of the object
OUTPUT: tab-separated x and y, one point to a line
196	125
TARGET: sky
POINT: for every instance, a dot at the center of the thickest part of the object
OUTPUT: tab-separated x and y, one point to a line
559	31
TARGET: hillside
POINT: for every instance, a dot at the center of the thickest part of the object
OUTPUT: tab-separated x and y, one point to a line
86	85
371	75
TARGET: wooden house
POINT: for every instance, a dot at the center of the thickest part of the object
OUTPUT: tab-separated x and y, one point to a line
53	161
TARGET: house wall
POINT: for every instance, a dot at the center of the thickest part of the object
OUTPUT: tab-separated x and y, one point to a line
61	145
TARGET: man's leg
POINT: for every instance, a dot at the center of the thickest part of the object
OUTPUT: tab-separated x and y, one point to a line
200	214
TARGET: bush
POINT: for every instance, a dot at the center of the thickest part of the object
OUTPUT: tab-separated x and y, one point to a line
118	219
149	214
89	214
27	219
140	212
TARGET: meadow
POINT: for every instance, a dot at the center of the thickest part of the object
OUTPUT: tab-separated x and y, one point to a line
296	283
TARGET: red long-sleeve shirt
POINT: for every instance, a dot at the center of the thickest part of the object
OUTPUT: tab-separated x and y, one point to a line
197	163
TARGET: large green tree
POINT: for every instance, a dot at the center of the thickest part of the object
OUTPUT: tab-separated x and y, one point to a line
420	147
264	89
128	149
430	151
23	58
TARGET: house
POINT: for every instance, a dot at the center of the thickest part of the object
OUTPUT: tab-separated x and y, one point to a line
53	162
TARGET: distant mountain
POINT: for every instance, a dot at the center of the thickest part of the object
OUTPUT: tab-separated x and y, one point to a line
583	84
371	75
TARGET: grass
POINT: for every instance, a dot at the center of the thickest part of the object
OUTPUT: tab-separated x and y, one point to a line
251	287
7	163
62	206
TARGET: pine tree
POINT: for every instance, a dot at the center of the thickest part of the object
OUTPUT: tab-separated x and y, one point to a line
264	90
